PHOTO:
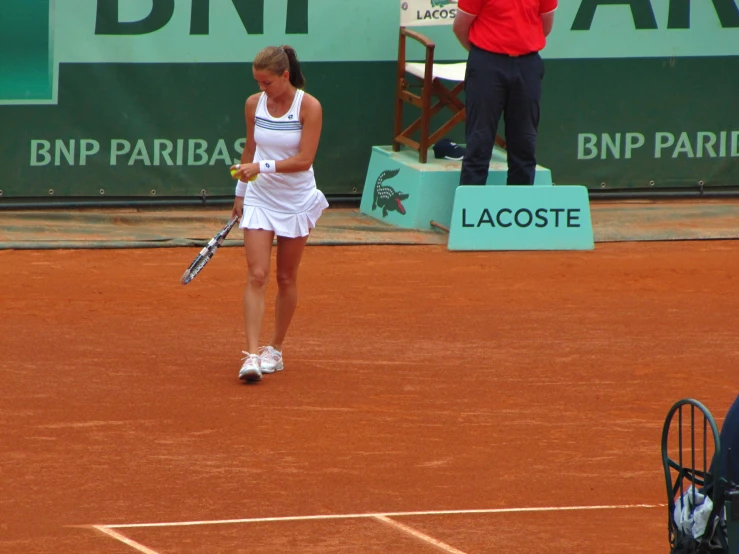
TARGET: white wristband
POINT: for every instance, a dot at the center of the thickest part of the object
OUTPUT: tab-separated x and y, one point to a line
241	188
267	166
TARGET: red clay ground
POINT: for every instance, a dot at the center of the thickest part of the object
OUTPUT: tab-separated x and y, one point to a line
417	380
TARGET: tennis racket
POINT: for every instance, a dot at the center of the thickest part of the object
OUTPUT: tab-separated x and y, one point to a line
207	252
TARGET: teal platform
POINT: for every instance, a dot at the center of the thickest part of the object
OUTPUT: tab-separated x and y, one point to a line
403	192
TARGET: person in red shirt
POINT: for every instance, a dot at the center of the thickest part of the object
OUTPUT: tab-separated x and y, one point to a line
504	74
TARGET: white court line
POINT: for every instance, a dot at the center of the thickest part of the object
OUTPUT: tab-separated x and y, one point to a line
124	539
417	534
375	515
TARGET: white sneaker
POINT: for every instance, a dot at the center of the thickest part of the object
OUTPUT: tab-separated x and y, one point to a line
251	370
271	359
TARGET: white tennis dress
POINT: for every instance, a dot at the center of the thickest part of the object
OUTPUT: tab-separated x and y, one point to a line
287	203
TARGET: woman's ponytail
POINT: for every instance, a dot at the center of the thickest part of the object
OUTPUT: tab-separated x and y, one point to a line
296	76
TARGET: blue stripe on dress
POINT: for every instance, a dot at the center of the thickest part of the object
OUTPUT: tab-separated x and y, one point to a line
278	125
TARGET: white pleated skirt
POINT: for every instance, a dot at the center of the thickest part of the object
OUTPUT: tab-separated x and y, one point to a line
285	224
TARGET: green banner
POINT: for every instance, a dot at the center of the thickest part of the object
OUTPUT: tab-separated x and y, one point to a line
174	129
202	31
641	123
145	97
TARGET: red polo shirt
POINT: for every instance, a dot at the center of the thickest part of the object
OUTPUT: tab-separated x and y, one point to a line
510	27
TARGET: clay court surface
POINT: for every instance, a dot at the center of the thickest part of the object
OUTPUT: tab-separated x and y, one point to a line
433	395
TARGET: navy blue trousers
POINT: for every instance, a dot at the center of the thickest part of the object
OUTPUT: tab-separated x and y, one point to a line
730	444
495	85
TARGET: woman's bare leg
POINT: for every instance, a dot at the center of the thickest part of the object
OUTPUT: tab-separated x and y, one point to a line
289	254
258	247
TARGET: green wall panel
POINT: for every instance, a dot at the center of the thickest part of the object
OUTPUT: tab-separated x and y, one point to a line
673	108
636	123
129	116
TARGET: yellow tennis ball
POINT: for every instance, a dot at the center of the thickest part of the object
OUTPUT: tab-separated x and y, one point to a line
235	170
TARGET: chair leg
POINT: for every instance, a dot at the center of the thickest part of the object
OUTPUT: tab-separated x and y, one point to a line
400	86
425	121
398	123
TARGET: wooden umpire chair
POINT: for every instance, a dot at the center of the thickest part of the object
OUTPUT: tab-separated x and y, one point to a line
429	77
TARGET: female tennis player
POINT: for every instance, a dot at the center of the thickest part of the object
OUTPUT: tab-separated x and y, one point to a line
283	128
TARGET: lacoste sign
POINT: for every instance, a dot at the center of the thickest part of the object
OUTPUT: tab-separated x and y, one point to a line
427	12
521	218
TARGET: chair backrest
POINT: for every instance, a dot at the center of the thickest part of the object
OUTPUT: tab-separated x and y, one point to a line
692	462
420	13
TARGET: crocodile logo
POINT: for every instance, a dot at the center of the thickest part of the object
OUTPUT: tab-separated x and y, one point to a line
387	197
442	3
